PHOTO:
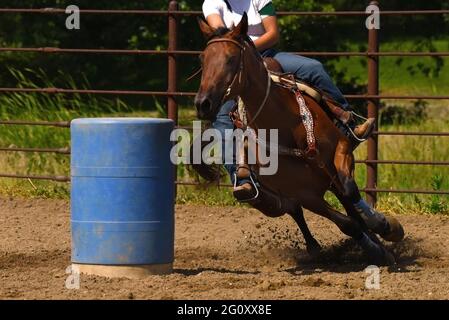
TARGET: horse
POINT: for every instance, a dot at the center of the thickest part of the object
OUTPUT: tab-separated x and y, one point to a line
231	68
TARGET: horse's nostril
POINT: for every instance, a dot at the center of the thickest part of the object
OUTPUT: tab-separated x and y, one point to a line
206	106
203	105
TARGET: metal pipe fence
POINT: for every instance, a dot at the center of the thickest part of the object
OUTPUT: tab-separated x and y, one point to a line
172	53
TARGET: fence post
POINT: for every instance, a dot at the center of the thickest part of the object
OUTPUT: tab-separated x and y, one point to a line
373	110
172	106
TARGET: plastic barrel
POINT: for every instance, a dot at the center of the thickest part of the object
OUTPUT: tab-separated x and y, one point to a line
122	196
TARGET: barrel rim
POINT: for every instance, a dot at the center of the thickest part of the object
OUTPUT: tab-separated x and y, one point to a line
122	120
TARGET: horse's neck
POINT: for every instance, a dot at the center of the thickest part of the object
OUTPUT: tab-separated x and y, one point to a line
255	83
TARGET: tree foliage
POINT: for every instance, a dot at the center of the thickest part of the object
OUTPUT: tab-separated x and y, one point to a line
299	33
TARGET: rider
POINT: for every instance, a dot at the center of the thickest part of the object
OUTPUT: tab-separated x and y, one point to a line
264	31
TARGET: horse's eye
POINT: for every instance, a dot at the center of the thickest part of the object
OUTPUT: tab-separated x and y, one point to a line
230	61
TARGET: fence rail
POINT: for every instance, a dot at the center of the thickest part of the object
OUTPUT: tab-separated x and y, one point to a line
60	124
172	52
192	94
197	13
197	52
37	150
36	177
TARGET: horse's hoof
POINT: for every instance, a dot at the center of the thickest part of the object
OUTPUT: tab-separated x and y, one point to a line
395	231
313	249
383	258
376	252
388	259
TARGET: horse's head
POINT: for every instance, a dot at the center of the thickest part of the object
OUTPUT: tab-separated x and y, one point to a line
222	64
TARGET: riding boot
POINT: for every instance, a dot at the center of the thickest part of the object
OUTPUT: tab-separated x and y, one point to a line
354	132
344	120
245	184
364	130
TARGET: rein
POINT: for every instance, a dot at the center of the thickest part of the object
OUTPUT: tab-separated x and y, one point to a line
239	73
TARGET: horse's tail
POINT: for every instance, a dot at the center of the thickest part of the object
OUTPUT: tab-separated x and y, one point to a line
209	172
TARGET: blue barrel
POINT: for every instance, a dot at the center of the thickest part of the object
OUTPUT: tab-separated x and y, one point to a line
122	193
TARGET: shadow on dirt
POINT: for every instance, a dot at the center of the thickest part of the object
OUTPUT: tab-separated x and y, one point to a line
194	272
346	256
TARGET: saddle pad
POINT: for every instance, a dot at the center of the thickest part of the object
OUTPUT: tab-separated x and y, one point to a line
302	87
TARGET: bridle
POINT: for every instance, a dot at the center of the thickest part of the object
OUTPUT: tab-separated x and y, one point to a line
238	74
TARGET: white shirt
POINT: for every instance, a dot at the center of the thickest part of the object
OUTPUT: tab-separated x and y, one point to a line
231	19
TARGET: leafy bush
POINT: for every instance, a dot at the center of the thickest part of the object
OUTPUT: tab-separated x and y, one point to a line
415	113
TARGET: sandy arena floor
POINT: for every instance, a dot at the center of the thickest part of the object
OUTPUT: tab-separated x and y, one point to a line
230	253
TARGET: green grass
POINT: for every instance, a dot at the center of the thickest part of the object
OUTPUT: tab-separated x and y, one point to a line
411	148
36	106
402	75
390	176
62	108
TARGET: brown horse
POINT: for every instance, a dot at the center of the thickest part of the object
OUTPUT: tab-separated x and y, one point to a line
233	68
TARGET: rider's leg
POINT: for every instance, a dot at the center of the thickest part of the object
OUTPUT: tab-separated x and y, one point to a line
224	125
312	71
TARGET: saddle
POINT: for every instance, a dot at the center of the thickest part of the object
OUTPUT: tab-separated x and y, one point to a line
289	81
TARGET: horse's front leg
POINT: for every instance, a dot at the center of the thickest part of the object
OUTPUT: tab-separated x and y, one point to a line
313	247
273	205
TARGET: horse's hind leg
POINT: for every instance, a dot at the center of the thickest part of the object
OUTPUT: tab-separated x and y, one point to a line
390	229
350	195
344	164
352	212
387	227
313	247
350	227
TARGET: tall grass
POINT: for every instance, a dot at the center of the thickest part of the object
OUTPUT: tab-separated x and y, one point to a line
401	75
408	177
45	107
412	148
37	106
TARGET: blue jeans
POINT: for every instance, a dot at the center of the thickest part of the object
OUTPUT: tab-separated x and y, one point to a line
309	70
222	123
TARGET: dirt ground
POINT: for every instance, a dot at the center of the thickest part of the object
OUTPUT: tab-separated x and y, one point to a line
230	253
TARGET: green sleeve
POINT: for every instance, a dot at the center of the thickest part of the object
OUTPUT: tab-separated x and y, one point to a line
268	10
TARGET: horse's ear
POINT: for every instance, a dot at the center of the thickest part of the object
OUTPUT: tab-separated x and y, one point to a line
242	27
205	28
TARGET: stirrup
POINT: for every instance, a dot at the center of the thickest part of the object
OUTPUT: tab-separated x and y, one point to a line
347	131
354	135
253	183
368	126
358	115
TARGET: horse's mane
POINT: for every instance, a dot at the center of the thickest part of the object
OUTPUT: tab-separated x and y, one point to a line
223	31
219	32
